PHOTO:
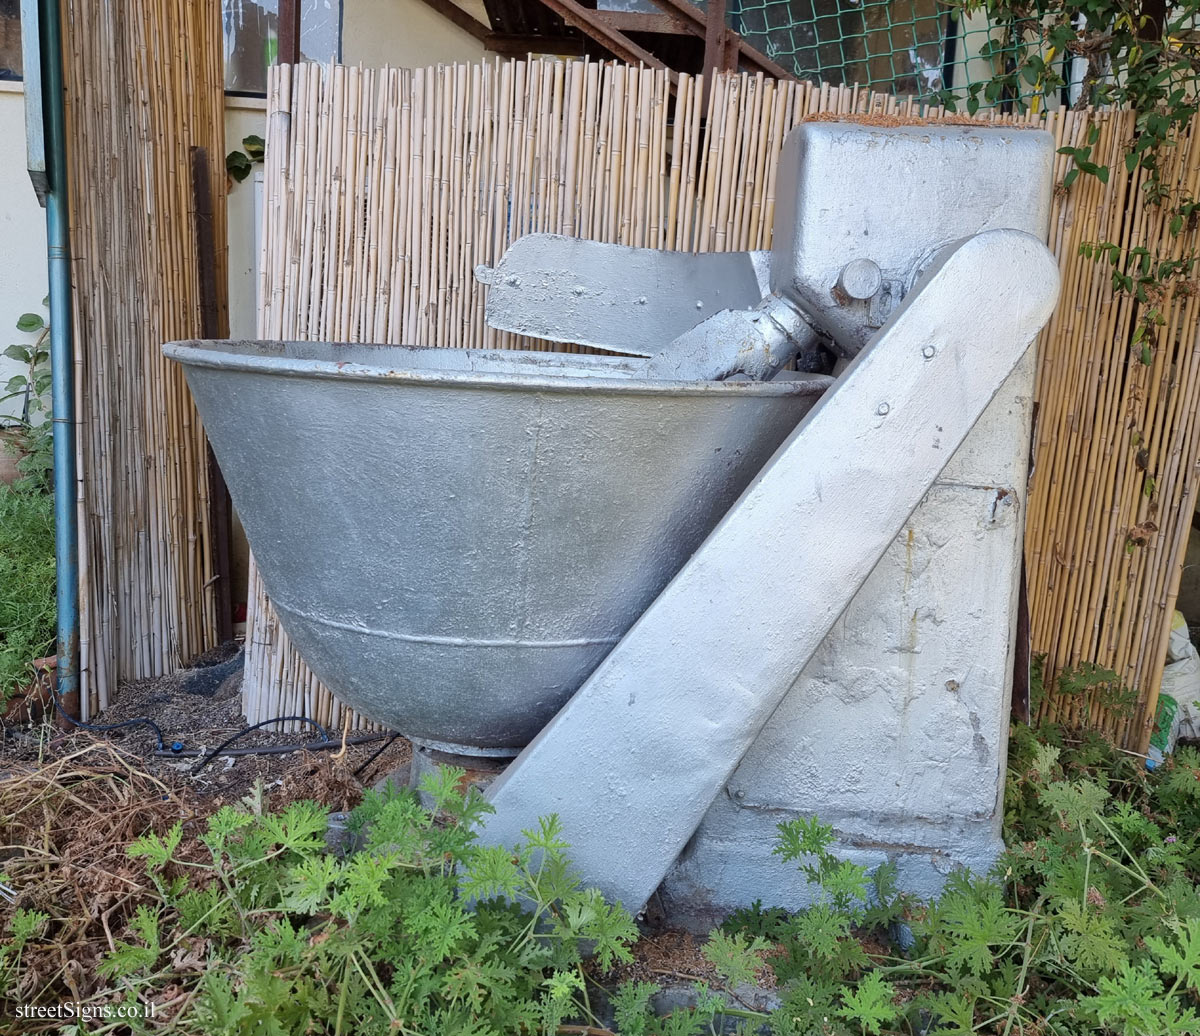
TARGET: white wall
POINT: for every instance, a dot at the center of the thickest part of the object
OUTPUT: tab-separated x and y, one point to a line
406	33
22	237
375	33
243	116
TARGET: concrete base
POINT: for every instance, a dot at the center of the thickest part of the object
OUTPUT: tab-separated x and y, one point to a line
480	770
896	731
729	864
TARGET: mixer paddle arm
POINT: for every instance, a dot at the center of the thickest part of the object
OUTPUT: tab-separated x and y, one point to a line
614	297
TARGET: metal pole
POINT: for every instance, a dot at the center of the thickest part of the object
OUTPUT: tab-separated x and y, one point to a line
62	361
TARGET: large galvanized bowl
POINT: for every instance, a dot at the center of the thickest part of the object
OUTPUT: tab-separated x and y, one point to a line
454	539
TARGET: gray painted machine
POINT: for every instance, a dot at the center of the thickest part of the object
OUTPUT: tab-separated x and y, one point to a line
645	574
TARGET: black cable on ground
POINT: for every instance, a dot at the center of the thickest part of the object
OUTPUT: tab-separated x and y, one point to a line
376	754
223	749
242	733
311	746
141	721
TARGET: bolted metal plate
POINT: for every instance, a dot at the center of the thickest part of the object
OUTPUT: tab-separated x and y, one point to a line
852	196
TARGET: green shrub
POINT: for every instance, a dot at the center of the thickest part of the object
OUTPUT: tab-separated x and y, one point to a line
27	609
33	389
273	933
1090	923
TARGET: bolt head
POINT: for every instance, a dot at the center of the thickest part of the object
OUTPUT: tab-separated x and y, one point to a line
929	352
860	279
883	409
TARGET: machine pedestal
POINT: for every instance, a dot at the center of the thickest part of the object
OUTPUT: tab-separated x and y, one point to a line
896	731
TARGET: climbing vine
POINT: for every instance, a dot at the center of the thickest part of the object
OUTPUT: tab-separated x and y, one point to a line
1143	55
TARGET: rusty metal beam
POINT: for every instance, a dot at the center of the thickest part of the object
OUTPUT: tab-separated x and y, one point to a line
614	40
636	21
716	43
691	14
289	33
512	46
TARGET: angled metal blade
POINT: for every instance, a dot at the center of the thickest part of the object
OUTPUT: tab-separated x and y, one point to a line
628	300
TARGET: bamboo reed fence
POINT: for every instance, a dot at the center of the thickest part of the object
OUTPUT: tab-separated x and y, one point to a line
144	84
1118	440
385	188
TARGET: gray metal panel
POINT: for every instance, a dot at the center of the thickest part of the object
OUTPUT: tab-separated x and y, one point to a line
454	539
633	761
31	63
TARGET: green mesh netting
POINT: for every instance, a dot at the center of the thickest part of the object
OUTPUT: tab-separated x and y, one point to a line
919	47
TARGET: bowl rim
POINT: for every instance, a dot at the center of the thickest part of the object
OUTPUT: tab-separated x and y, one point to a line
586	373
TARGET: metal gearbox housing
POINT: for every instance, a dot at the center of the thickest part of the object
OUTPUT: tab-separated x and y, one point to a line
862	209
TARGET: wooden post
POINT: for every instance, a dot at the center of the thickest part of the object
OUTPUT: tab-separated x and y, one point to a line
717	49
289	33
219	504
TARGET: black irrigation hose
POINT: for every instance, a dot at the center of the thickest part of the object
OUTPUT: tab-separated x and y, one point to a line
242	733
311	746
376	754
141	721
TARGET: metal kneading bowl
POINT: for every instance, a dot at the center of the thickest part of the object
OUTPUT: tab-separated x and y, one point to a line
454	539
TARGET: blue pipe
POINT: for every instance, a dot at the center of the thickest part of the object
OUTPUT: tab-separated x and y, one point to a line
62	358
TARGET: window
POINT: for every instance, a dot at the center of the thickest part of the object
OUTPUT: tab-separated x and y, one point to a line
251	30
10	39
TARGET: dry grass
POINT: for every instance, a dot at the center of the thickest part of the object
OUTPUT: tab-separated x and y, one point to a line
67	824
70	816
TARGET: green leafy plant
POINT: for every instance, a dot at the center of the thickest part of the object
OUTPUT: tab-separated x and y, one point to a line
27	606
239	164
33	388
1140	55
1143	55
274	933
24	926
1089	923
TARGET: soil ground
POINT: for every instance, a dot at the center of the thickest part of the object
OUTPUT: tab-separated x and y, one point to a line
200	707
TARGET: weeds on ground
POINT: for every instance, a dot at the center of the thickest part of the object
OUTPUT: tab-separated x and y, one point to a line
1090	923
27	608
267	931
246	923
